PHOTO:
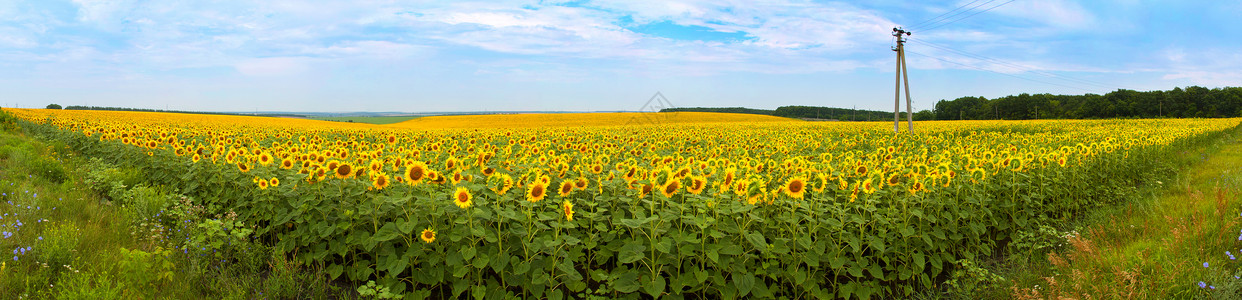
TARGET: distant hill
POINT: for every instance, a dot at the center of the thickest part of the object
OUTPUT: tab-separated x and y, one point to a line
579	119
804	112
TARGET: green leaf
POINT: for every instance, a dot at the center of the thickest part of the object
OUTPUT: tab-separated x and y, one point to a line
756	239
567	267
481	261
744	283
479	292
631	223
664	246
467	253
334	271
406	226
626	282
655	288
631	252
387	232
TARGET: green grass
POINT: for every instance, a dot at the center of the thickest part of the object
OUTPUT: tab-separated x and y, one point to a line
369	120
1153	247
85	245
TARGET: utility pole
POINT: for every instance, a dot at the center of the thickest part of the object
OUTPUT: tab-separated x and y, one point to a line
902	75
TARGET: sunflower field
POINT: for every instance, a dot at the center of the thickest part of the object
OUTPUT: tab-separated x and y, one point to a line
750	208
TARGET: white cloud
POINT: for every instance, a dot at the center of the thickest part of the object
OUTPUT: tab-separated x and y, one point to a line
273	66
1059	14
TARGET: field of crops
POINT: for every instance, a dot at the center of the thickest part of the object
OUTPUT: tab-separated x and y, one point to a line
725	207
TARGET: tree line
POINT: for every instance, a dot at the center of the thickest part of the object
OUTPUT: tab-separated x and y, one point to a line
1191	102
800	112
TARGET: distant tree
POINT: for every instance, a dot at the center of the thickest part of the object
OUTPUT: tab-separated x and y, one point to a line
53	106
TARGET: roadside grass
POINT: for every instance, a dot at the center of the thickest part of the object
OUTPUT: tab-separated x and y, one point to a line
70	240
1160	246
369	120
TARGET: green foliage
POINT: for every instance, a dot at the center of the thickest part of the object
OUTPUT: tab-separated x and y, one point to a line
735	110
969	278
59	246
1192	102
146	270
143	202
100	285
1036	243
371	291
817	112
54	106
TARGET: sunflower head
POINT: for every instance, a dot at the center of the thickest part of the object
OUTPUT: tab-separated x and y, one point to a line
462	197
536	191
569	210
697	185
566	187
380	181
428	235
415	172
670	188
795	187
867	186
344	170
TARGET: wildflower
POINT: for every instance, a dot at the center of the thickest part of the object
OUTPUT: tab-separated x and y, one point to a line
1205	264
569	210
1202	284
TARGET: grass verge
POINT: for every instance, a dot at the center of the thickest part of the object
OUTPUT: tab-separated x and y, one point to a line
79	229
1177	240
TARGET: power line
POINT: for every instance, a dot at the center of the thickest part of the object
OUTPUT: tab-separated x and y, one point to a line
924	22
958	13
1006	74
942	25
1019	67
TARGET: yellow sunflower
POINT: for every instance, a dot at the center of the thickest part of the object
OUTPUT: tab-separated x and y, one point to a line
670	188
536	191
428	235
795	187
344	170
380	181
566	187
569	210
415	172
462	197
697	184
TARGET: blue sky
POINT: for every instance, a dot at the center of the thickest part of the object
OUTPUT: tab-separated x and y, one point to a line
428	56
